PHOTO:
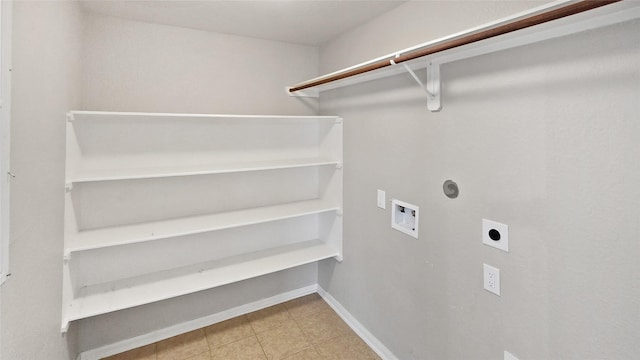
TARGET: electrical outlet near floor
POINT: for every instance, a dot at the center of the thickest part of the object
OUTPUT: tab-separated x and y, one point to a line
492	279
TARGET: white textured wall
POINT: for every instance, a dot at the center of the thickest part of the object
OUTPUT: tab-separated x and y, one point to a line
134	66
543	138
45	84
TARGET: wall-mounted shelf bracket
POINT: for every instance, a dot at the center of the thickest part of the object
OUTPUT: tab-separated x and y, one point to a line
309	93
432	87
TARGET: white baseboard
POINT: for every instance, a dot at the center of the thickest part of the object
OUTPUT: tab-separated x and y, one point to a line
359	329
150	338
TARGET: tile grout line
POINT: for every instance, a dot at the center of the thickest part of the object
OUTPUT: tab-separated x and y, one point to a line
256	335
204	334
253	334
314	345
311	345
206	338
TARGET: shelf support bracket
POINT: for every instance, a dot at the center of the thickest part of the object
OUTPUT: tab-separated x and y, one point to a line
64	328
432	88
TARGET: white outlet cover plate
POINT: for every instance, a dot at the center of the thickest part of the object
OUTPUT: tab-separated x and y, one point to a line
492	279
502	229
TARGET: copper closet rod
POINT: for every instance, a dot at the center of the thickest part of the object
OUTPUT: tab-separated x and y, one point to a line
534	20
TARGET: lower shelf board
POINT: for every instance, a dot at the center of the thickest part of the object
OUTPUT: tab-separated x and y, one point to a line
127	293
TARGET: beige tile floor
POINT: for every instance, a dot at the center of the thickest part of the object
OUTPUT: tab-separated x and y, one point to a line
301	329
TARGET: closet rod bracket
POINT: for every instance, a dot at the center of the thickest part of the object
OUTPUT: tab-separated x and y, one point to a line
432	87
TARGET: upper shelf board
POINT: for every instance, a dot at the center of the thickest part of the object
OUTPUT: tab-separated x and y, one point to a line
94	175
604	16
78	115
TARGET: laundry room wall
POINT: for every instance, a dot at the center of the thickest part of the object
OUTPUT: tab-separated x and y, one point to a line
542	138
46	47
136	66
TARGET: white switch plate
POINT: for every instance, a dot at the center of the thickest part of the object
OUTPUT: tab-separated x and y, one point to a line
509	356
495	234
381	199
492	279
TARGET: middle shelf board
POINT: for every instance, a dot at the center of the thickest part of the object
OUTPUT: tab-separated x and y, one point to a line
123	294
94	175
131	234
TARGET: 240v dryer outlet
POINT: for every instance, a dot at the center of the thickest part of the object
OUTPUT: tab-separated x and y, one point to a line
495	234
